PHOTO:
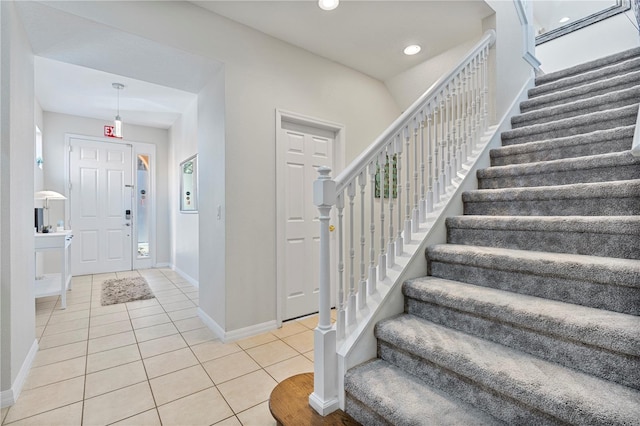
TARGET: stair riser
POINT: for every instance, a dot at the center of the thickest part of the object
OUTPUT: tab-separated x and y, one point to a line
607	296
573	110
579	94
602	174
491	401
588	243
558	153
620	368
583	206
585	78
626	117
363	414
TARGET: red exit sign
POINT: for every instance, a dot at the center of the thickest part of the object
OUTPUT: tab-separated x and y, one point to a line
109	131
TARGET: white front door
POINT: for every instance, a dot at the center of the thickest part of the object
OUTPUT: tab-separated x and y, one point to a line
305	149
101	211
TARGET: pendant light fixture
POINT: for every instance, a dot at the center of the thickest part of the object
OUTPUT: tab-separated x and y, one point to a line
117	123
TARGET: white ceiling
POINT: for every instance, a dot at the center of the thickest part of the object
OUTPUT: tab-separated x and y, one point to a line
547	13
78	59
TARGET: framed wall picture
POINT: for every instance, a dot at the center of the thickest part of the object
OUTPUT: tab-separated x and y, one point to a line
189	185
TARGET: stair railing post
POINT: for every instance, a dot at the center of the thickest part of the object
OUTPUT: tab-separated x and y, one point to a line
398	151
324	398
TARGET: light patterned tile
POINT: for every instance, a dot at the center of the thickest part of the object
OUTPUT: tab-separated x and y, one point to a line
64	416
109	309
302	342
203	408
289	328
109	329
189	324
311	322
155	332
114	378
57	317
45	398
231	421
230	367
181	383
214	349
248	390
150	320
183	313
143	312
309	355
159	346
63	327
260	339
3	414
62	339
290	367
169	362
148	418
39	331
111	342
59	353
112	358
108	319
271	353
118	405
260	415
52	373
177	306
139	304
201	335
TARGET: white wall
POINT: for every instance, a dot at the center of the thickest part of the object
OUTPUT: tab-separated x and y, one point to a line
57	125
183	138
16	204
603	38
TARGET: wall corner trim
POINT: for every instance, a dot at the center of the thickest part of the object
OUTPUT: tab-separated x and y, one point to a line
233	335
10	396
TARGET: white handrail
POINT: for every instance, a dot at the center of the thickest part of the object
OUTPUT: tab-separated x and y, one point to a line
369	154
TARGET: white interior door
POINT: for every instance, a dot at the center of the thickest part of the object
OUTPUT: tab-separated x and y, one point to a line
100	196
305	149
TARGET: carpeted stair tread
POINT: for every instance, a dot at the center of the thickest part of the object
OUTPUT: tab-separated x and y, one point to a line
586	74
605	236
606	101
565	394
598	327
588	199
599	282
381	385
607	85
599	142
596	168
582	124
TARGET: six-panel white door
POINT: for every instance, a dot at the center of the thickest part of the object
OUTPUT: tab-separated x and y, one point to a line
305	152
100	196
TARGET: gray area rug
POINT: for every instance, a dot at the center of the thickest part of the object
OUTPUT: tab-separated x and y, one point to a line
124	290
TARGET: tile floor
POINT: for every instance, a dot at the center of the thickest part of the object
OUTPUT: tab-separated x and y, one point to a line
151	362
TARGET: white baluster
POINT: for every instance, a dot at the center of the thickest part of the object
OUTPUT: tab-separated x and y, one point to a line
341	291
362	288
373	276
450	172
478	100
398	150
443	149
351	318
382	257
324	398
407	207
470	135
436	163
463	148
423	200
415	213
430	195
485	91
392	159
457	137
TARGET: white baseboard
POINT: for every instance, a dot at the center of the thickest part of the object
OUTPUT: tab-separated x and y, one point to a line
10	396
241	333
186	276
163	265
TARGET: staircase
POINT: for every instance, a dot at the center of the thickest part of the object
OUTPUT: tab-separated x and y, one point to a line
530	313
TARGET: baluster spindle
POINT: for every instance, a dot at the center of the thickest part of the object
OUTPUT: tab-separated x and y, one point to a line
407	207
430	161
423	199
456	124
478	100
436	163
467	116
341	293
485	92
382	258
443	151
398	150
391	258
362	288
461	114
415	213
351	307
373	276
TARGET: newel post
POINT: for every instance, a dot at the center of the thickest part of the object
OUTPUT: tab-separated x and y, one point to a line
324	398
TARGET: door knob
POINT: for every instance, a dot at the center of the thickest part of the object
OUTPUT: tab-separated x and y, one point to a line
332	228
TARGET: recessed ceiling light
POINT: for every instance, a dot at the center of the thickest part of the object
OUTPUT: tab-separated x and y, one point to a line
563	20
328	4
412	50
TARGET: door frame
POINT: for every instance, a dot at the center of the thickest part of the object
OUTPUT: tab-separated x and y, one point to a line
338	165
137	148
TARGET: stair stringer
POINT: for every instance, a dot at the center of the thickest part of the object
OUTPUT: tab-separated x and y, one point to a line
360	344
